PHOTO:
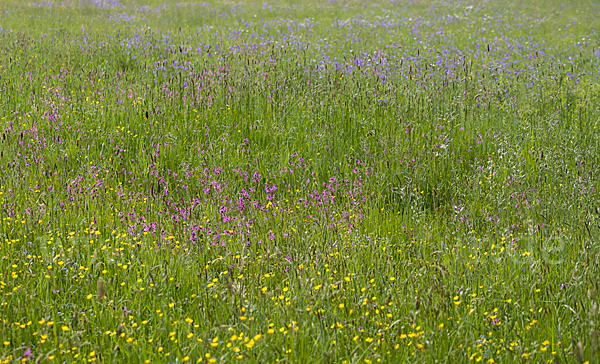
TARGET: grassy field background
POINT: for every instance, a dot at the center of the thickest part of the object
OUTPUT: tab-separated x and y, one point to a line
311	181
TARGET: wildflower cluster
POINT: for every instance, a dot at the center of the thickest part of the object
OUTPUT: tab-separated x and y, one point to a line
313	182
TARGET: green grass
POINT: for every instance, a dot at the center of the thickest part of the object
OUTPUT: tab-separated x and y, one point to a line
329	182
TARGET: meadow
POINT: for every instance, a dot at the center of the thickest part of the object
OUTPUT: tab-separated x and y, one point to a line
304	182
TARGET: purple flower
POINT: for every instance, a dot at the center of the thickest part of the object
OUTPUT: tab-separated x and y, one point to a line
27	354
